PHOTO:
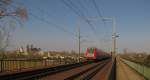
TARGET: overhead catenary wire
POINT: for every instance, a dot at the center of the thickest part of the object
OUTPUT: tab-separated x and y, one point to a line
83	6
97	8
80	13
48	22
99	11
54	25
77	11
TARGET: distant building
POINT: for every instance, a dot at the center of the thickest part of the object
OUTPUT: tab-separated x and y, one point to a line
30	49
22	51
41	53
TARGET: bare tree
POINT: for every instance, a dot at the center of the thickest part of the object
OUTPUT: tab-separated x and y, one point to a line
10	15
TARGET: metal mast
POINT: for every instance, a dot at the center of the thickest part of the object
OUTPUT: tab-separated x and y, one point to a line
114	36
79	39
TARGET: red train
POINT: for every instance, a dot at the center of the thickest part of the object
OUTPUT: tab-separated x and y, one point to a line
96	54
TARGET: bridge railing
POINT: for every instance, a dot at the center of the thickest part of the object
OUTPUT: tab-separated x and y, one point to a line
140	68
9	65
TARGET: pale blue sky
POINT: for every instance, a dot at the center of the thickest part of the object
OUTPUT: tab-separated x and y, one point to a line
132	17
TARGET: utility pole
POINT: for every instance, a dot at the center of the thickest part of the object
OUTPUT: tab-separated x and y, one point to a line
114	36
79	39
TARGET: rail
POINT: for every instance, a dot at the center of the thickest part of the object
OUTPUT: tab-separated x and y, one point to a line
88	73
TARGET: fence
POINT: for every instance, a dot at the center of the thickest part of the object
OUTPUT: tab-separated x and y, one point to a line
8	65
141	68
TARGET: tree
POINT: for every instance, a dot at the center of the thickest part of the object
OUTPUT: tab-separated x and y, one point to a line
10	15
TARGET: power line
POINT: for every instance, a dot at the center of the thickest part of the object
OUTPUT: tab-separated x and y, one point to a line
84	17
76	10
96	7
82	6
48	22
98	11
54	25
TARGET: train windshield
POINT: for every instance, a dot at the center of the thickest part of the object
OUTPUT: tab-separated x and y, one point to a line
91	50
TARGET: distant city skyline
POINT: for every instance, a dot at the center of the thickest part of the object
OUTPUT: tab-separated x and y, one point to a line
41	30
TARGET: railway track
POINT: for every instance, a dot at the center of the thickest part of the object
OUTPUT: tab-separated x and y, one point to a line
36	74
89	72
68	72
85	72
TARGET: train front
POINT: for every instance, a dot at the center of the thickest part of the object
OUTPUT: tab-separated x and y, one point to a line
90	53
96	54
